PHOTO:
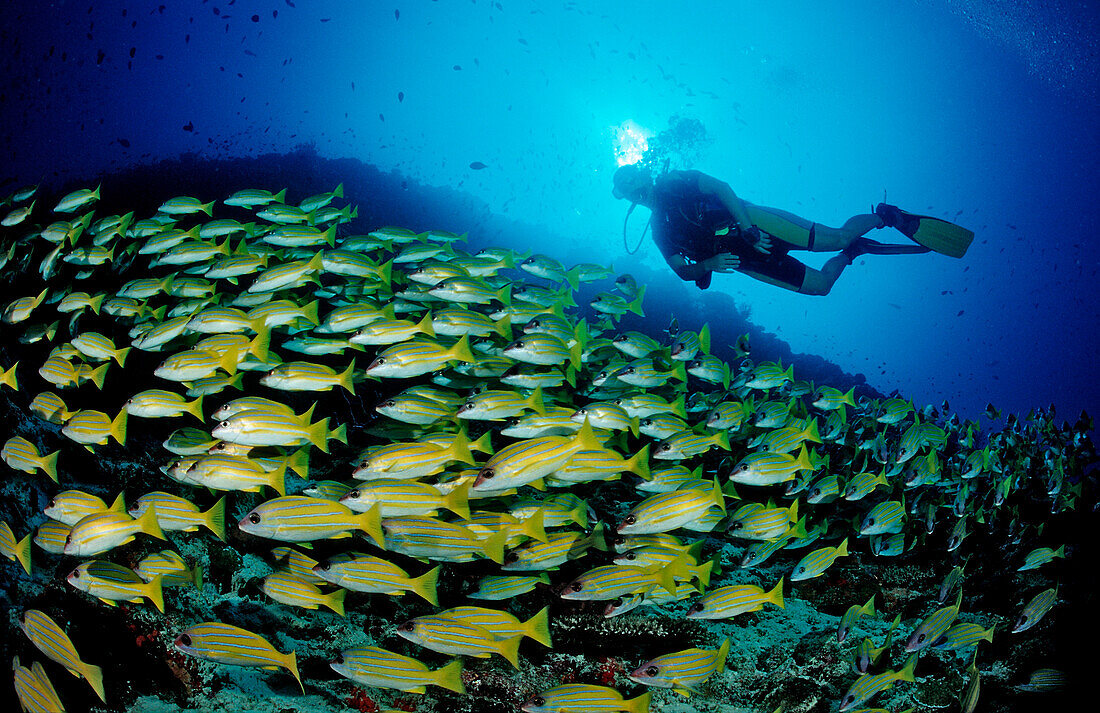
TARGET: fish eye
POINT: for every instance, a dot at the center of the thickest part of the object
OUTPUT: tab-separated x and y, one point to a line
518	344
736	525
469	405
185	639
666	447
870	521
486	473
511	557
695	608
339	658
1023	620
539	701
75	574
630	520
380	360
631	556
576	586
352	494
920	639
801	569
408	626
651	671
582	411
647	422
223	424
254	518
849	699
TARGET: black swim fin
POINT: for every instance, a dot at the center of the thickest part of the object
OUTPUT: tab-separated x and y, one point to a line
936	234
866	246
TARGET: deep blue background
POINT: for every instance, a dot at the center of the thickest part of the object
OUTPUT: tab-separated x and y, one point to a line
984	112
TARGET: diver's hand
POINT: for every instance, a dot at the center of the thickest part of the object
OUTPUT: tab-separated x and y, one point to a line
761	242
722	262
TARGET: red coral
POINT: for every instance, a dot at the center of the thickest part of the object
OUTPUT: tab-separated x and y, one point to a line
609	668
361	702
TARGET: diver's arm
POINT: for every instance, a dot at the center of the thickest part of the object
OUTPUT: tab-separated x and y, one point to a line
694	272
712	186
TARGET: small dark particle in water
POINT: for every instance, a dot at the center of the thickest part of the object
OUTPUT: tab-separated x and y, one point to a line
381	117
250	53
396	14
133	51
400	97
99	57
523	41
255	18
124	143
961	312
288	2
478	165
404	185
457	67
895	306
353	86
160	56
189	126
326	19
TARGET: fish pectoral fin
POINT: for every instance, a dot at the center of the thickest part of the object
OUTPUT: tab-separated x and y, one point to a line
271	668
109	602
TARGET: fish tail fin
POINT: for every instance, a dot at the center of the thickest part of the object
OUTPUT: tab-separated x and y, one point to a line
347	378
579	515
723	651
8	377
260	345
154	592
335	601
460	449
120	355
310	312
94	676
493	546
450	677
49	465
96	302
842	551
704	338
503	327
318	433
149	524
775	596
572	276
458	501
98	375
906	672
118	427
538	627
214	519
290	662
483	444
586	438
424	586
277	479
639	463
23	553
298	461
811	432
195	408
370	522
509	649
536	403
533	526
279	197
635	305
637	705
703	571
678	408
461	350
869	607
424	326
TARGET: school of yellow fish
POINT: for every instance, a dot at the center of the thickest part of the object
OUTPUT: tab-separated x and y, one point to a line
498	402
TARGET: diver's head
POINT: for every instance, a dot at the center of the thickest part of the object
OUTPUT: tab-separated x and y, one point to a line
632	182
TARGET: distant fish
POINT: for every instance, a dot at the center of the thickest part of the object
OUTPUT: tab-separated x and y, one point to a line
478	165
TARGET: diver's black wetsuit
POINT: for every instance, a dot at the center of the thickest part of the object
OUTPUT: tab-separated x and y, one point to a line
685	220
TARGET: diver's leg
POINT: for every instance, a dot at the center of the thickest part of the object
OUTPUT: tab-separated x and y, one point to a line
827	240
820	282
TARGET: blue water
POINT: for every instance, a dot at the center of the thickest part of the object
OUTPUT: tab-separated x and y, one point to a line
981	112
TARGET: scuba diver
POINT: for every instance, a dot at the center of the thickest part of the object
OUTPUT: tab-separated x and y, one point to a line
702	227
